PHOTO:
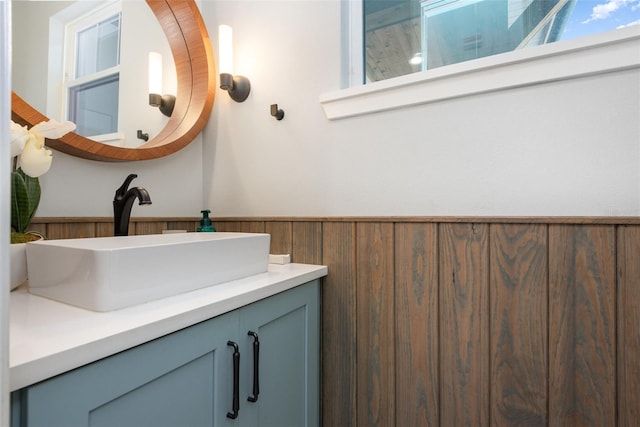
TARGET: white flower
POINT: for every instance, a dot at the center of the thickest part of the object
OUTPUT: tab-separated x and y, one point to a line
35	159
53	129
19	136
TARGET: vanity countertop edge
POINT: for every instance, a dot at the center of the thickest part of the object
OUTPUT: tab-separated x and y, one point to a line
48	338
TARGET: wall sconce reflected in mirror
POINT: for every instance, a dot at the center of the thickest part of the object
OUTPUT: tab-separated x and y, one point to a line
164	102
238	87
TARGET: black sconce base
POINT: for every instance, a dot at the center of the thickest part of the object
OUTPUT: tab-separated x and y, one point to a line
238	87
165	103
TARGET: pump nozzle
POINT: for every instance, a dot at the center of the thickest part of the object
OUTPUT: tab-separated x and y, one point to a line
205	222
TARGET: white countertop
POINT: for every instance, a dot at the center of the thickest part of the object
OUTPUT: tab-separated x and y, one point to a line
48	338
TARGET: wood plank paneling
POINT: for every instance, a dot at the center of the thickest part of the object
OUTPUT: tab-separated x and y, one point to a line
150	227
501	321
70	230
281	236
183	225
375	320
582	325
519	326
339	355
628	257
240	226
307	242
464	324
416	307
104	229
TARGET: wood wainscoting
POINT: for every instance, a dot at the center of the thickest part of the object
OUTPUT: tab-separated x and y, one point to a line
462	321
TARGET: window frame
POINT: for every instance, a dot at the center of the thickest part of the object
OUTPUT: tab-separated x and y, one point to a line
590	55
70	81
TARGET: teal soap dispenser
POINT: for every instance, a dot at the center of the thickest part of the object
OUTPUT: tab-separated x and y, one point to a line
205	222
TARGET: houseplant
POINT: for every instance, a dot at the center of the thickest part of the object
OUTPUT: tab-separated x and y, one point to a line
30	159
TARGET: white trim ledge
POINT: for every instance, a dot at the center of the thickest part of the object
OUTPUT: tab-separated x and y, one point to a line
612	51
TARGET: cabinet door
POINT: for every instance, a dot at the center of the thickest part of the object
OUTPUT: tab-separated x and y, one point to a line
183	379
287	326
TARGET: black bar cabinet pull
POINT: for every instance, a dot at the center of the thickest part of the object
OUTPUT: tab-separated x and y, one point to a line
256	359
236	380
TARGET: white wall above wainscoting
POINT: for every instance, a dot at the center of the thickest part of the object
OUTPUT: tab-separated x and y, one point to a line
566	145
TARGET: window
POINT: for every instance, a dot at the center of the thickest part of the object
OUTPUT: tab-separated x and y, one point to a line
604	52
92	69
406	36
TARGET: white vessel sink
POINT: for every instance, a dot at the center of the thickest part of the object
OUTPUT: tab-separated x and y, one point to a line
109	273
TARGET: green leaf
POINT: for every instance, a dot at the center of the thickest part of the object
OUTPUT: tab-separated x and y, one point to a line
25	197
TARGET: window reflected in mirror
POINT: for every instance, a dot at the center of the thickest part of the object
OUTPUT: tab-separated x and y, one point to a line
84	65
93	106
92	71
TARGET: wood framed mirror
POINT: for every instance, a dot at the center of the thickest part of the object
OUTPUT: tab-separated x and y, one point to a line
188	38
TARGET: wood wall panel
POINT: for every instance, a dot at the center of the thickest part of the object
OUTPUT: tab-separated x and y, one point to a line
464	324
582	322
147	227
339	354
416	307
104	229
281	236
461	321
519	328
307	242
240	226
628	326
190	226
375	320
77	230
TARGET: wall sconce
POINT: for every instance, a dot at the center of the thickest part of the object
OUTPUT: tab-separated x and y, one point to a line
164	102
237	86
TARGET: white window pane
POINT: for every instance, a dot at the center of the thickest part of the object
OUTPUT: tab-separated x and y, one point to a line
407	36
98	47
94	106
461	32
86	51
109	43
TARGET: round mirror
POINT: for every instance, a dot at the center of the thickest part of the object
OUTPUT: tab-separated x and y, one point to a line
196	81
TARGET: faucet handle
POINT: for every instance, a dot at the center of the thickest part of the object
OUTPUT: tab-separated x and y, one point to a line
120	192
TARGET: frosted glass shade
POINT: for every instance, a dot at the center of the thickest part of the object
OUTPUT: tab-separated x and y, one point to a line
155	73
225	41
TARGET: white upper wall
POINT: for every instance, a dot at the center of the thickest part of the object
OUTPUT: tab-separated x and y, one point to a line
559	148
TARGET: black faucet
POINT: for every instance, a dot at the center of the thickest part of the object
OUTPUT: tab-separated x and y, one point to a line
122	203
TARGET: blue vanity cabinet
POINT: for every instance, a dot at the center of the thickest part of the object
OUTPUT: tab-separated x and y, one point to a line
287	329
187	378
179	379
